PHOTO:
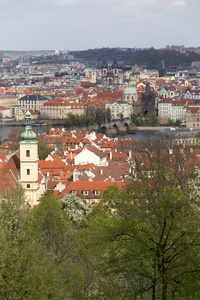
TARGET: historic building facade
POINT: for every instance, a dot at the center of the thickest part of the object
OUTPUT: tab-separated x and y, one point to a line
148	100
110	74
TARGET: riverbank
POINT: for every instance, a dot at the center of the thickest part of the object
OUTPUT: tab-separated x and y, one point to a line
153	128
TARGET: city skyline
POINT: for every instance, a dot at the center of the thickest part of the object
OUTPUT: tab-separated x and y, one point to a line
79	25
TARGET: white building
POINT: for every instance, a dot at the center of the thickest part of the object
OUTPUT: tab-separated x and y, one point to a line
192	94
164	110
91	155
120	108
170	109
178	111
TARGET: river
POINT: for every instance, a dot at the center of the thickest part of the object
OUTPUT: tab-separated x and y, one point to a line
6	131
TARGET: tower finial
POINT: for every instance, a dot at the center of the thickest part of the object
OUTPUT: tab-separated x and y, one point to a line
27	101
28	133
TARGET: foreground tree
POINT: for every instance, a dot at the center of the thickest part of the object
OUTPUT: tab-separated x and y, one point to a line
54	230
162	151
41	253
150	237
27	271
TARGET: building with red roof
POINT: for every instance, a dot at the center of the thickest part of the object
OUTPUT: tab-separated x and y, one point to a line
91	155
91	192
193	117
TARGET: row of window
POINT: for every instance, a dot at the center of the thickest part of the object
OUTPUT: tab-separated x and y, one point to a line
86	193
194	119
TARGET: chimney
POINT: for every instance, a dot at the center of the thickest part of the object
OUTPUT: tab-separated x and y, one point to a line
59	187
110	155
71	155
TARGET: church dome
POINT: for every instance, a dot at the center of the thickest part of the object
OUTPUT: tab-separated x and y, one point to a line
28	134
130	90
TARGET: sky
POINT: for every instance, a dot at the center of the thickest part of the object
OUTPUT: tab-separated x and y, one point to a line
89	24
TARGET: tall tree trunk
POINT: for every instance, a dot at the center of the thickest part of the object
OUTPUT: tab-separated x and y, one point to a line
164	292
154	292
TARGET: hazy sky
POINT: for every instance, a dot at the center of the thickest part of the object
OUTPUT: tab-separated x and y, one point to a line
83	24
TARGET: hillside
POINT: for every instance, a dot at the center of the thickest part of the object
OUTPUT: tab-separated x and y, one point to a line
150	58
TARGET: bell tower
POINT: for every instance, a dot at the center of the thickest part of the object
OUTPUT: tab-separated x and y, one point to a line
29	162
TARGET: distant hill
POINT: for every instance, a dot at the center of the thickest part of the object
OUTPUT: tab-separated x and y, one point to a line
150	58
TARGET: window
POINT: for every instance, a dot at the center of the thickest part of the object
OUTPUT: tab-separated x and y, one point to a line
85	193
28	186
97	193
28	171
74	192
27	153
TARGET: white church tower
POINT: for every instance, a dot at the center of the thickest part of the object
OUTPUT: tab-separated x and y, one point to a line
33	188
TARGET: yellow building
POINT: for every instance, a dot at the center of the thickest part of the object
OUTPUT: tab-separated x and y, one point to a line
193	117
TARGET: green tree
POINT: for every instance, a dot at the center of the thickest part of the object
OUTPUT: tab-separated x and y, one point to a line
47	127
43	149
140	122
197	136
70	120
178	122
1	115
149	233
135	121
170	122
120	115
53	229
27	271
151	119
108	114
91	111
59	146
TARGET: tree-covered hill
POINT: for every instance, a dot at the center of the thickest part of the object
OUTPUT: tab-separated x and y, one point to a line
151	58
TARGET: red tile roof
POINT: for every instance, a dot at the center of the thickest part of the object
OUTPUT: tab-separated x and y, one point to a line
80	186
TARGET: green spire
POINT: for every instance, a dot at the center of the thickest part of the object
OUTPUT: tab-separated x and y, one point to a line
28	133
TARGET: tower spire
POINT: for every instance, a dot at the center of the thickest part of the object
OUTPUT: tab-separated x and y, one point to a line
28	133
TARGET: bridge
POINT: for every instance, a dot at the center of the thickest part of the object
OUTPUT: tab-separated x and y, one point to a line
114	127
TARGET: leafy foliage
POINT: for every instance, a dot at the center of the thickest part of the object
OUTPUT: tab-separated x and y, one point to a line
151	119
92	115
108	114
149	233
43	150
